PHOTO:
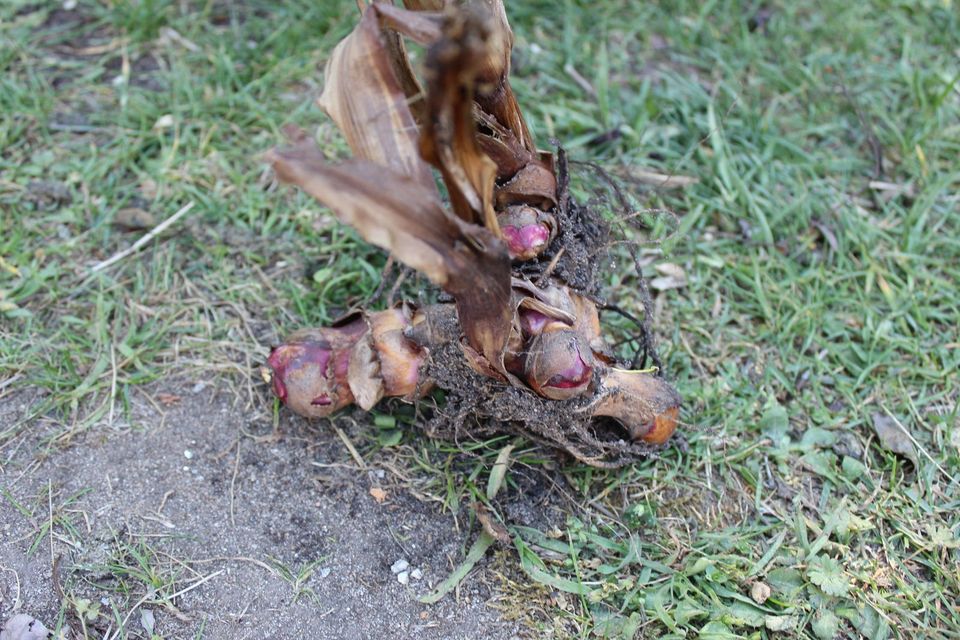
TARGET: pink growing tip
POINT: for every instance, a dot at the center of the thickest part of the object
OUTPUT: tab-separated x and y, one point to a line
292	357
525	242
576	375
532	322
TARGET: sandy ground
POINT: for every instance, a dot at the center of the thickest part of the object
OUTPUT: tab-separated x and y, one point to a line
216	514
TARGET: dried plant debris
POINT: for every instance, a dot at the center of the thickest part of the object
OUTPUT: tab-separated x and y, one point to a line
520	349
24	627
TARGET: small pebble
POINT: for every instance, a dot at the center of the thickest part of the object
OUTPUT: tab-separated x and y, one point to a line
324	572
399	565
403	577
188	454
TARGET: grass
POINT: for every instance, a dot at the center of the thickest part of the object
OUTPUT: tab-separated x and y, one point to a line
816	307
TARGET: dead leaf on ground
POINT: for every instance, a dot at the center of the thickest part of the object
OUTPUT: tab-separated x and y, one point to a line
496	530
378	494
47	194
672	276
893	437
827	234
760	592
890	190
660	180
149	189
134	219
23	627
168	399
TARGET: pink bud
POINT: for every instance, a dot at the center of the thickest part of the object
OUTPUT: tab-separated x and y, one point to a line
308	373
555	365
532	322
527	242
526	231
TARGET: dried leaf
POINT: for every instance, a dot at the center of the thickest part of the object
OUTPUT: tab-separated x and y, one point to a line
134	219
364	97
534	184
424	5
473	63
545	309
24	627
168	399
378	494
672	276
398	214
537	306
398	358
501	145
893	437
448	139
423	27
420	26
660	180
827	234
495	96
780	623
760	592
363	373
499	471
406	79
147	621
493	528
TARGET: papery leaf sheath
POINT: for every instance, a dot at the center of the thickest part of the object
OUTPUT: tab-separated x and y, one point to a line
398	214
363	96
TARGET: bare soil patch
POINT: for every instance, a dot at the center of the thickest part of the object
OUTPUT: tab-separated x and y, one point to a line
260	536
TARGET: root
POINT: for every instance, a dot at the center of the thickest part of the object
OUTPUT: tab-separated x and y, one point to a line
477	407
